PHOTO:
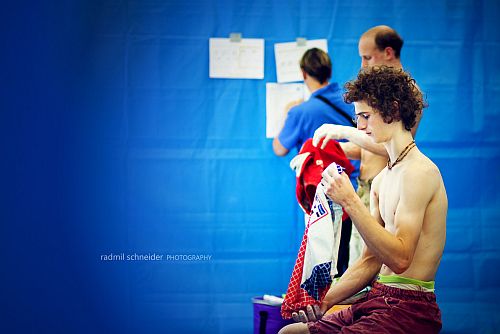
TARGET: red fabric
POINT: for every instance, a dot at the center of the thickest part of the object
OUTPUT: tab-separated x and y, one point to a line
297	298
310	173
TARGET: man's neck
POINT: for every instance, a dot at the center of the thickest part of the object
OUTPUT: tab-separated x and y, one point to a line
315	85
396	63
398	143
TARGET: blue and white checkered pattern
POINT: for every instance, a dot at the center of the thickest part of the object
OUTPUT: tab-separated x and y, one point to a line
320	278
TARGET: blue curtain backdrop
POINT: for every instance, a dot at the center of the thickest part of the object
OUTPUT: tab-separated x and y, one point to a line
115	140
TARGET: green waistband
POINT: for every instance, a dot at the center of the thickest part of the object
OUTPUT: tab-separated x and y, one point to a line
405	280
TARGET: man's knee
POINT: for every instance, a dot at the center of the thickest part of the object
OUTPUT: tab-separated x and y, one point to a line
297	328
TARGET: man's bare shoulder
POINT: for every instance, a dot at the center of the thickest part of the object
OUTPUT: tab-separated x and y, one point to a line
424	164
421	171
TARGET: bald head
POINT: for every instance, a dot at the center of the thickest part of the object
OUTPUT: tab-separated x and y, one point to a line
380	45
384	37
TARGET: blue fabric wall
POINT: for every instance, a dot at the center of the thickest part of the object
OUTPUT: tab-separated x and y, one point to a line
115	140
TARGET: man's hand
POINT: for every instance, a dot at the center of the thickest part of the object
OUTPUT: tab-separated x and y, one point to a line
337	186
312	313
328	132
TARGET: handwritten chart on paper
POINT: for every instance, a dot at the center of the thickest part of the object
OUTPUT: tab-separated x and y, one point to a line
278	99
243	59
288	57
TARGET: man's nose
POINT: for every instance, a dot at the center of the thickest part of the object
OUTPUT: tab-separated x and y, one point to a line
361	123
364	62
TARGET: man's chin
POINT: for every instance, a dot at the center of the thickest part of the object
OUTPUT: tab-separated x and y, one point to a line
373	139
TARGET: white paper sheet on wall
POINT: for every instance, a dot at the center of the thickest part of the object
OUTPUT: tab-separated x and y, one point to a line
278	100
243	59
288	57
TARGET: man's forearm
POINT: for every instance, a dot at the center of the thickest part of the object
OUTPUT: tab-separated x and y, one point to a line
278	148
357	276
362	140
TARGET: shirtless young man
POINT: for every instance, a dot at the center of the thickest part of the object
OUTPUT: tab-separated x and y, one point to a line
406	229
380	45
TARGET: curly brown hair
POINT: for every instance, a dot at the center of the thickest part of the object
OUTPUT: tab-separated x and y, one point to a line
392	92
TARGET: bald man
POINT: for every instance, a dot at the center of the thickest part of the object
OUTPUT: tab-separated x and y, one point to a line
379	45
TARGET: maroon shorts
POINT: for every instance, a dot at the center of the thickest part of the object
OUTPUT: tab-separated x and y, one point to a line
385	310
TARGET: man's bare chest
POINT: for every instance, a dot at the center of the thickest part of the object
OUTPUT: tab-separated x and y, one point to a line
388	199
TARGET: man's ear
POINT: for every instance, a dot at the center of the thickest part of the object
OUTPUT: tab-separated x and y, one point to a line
304	74
395	106
389	53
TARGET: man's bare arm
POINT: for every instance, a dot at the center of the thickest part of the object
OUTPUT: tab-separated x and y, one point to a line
360	274
353	135
356	277
278	148
352	151
394	250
